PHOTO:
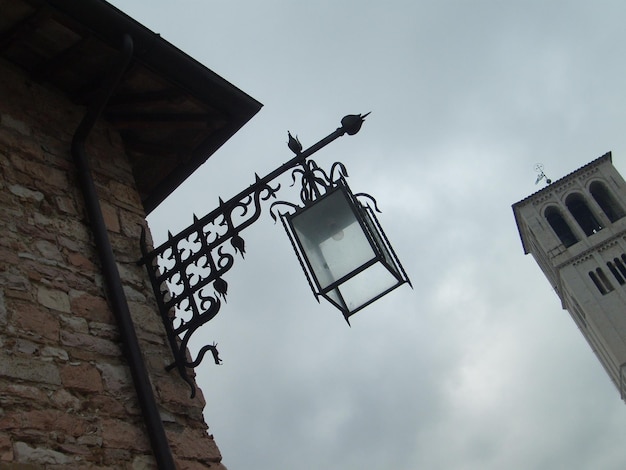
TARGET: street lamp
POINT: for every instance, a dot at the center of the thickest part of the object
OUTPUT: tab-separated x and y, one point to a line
340	245
345	251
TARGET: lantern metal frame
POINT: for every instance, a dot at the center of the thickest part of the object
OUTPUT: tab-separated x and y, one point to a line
362	207
187	270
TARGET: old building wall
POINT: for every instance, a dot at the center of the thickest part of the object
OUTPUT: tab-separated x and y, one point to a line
66	394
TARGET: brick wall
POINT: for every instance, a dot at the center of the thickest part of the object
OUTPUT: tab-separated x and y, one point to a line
66	395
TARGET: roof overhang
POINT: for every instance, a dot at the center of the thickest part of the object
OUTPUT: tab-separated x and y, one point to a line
172	112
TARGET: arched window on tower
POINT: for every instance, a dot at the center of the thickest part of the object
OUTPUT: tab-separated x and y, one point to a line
617	273
560	226
601	281
580	211
606	201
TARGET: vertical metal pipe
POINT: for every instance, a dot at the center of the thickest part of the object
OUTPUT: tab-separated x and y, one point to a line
117	298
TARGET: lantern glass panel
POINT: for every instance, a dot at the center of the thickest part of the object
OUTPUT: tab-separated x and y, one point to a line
332	238
372	225
360	290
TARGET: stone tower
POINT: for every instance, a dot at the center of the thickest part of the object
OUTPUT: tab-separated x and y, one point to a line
575	228
100	120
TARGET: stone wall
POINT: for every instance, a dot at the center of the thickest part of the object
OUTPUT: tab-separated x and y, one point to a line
66	395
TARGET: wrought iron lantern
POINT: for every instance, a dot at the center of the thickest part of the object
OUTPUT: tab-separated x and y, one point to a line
343	249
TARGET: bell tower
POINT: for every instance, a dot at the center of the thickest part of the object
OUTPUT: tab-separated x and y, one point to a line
575	228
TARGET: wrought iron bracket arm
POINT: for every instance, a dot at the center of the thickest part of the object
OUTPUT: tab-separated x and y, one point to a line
186	271
351	124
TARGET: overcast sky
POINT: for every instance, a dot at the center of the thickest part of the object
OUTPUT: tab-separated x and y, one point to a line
477	367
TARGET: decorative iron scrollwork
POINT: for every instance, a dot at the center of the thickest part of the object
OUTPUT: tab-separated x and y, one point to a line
187	271
315	181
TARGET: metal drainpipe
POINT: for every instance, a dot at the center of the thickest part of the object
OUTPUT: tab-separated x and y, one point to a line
117	298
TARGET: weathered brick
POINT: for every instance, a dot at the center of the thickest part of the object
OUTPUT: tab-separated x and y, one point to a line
54	153
81	262
40	455
57	353
105	404
56	421
18	293
194	444
121	434
14	123
144	462
25	347
9	257
53	299
66	205
148	317
34	320
113	456
55	277
91	307
18	145
74	323
49	176
70	227
132	274
43	175
175	391
111	219
90	440
131	224
35	227
90	343
15	281
15	393
82	377
116	378
125	196
30	369
71	244
134	295
105	330
64	400
6	449
126	249
50	251
25	193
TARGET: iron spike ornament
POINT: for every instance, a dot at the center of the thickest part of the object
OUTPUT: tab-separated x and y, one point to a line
187	271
